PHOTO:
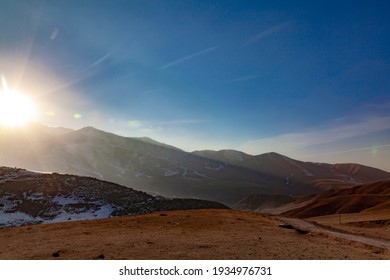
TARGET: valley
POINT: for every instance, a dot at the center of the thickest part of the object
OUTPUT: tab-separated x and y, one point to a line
97	195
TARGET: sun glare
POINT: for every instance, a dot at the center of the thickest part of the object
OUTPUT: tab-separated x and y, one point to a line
16	109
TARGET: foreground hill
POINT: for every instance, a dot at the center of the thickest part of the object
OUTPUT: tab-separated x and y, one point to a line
225	176
192	234
362	198
29	198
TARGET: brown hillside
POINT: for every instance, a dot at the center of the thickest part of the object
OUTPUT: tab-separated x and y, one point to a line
352	200
193	234
258	202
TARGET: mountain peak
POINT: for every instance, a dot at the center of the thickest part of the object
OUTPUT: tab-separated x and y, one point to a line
225	175
272	155
89	129
92	131
156	143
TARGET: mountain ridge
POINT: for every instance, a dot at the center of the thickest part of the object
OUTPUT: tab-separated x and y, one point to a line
225	176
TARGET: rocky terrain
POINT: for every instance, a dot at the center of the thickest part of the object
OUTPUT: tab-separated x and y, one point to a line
32	198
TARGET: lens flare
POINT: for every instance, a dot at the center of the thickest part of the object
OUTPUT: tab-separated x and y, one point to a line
77	116
374	151
134	123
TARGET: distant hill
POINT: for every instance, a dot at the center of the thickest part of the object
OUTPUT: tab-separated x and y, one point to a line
259	202
32	198
365	197
141	163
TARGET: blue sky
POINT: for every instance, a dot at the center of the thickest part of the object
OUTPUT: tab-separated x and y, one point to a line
309	79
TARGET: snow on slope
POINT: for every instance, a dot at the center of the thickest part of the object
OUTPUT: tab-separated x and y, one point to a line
225	176
31	198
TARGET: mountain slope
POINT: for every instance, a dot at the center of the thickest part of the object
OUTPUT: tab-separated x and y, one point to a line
29	198
259	202
365	197
144	164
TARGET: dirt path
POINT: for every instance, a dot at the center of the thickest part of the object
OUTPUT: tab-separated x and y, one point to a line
191	234
311	227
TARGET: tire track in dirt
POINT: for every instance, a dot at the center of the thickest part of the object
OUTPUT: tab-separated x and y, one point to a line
315	228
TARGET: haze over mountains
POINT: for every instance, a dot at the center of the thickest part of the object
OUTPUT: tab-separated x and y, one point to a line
141	163
148	170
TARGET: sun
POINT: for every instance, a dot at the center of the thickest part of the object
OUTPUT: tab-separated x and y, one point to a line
16	108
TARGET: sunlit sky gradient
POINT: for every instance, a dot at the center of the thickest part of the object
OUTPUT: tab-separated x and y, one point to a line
308	79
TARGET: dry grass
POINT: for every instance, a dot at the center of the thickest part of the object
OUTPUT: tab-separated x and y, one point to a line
195	234
370	223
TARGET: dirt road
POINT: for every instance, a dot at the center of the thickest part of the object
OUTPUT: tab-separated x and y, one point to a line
191	234
316	228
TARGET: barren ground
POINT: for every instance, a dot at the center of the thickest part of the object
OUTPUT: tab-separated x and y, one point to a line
370	223
193	234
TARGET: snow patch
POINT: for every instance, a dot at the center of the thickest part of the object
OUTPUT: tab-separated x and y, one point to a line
140	175
33	197
61	200
215	168
199	174
184	175
170	172
304	171
104	212
16	219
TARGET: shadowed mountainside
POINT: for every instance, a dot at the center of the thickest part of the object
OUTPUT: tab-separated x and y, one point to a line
144	164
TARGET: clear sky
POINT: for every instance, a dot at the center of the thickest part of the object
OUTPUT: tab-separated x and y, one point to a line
308	79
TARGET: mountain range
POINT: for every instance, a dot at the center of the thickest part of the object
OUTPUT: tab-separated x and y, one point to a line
225	176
